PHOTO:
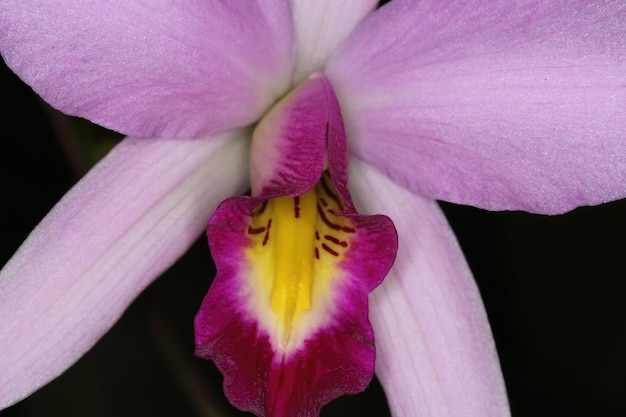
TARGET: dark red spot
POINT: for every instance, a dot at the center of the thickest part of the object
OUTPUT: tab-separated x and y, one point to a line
317	235
329	250
324	203
317	254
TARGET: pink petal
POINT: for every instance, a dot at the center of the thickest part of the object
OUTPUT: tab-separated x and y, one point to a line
159	68
320	26
501	105
436	355
122	225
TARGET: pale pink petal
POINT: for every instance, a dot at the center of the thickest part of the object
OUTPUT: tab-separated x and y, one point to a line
436	356
320	26
165	68
499	104
121	226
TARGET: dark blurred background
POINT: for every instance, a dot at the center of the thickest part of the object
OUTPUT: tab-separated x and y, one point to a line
553	288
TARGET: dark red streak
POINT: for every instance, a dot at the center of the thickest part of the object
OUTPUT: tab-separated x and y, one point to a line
296	206
336	241
320	211
261	209
333	226
255	231
267	233
317	254
331	194
329	250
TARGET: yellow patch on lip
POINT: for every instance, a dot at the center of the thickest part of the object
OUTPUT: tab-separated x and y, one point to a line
297	243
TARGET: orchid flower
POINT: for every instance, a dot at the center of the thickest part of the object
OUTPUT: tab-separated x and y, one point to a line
500	105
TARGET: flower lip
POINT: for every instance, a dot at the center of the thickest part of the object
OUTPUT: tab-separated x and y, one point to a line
295	266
